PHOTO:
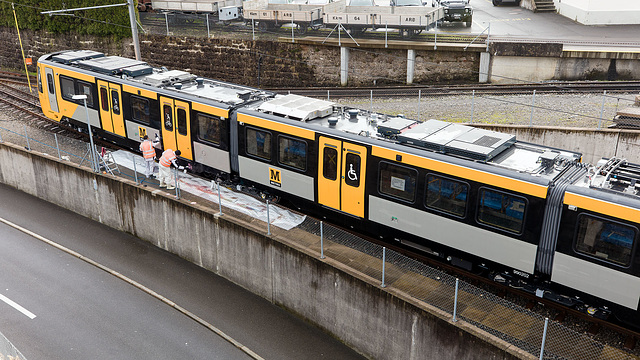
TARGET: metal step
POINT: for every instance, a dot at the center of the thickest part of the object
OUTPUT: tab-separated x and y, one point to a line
544	6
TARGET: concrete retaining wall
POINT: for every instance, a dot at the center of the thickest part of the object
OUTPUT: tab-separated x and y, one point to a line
374	321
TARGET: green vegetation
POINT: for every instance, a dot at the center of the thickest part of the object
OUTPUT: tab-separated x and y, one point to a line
112	21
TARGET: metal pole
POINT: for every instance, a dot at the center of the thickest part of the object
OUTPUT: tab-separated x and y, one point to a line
166	20
339	27
473	101
135	172
93	148
544	337
176	182
268	220
419	98
27	136
384	261
321	241
488	34
55	136
533	104
292	25
435	37
219	200
455	302
386	33
253	30
371	100
327	95
604	96
208	34
134	29
0	137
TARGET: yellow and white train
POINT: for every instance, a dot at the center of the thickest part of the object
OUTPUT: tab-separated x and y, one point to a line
527	215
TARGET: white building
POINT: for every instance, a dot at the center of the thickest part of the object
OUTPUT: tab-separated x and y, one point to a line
600	12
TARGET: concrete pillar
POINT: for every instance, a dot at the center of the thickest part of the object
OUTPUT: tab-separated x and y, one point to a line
344	65
411	65
485	60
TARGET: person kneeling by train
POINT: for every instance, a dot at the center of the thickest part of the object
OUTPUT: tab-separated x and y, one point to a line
168	157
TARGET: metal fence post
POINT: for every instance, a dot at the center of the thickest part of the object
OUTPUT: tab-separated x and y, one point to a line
473	101
208	34
176	183
166	21
604	96
371	101
328	95
455	302
544	337
135	172
253	30
55	136
321	241
419	98
384	260
268	220
386	32
293	39
219	200
26	135
533	104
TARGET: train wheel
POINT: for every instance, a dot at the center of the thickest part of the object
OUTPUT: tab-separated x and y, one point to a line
263	26
301	29
468	23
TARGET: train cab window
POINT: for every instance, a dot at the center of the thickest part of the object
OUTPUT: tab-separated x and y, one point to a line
104	99
39	81
167	112
68	88
446	195
85	89
398	181
209	128
115	102
292	152
182	121
606	240
501	210
140	109
50	84
258	143
330	163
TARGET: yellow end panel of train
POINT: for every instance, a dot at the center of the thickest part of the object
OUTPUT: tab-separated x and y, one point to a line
176	126
341	170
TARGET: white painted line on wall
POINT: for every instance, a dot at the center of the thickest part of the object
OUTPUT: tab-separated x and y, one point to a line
17	306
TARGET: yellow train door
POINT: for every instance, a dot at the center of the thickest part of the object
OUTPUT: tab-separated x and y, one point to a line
341	169
111	115
176	126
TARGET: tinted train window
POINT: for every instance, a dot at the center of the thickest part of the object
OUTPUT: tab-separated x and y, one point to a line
446	195
605	240
501	210
182	121
352	169
209	128
50	84
167	113
140	109
104	99
292	152
330	163
85	89
398	181
39	80
259	143
67	87
115	102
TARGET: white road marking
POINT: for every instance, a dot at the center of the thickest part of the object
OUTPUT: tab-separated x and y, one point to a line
17	306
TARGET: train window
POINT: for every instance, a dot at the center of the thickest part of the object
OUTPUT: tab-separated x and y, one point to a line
446	195
104	99
39	81
68	88
398	181
140	109
50	84
352	169
115	102
258	143
182	121
168	117
209	128
605	239
292	152
501	210
85	89
330	163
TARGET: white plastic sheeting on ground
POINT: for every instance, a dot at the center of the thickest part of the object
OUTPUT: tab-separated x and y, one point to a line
208	190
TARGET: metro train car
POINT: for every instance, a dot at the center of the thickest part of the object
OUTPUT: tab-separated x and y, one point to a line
526	215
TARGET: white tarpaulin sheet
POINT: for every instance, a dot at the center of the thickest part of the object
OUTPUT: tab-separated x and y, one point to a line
208	190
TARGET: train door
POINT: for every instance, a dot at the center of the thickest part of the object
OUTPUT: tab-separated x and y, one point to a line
51	89
341	169
176	126
111	107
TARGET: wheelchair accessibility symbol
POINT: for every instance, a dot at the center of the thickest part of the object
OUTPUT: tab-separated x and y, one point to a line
351	174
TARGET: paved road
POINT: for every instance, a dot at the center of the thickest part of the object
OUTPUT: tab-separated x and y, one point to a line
82	312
